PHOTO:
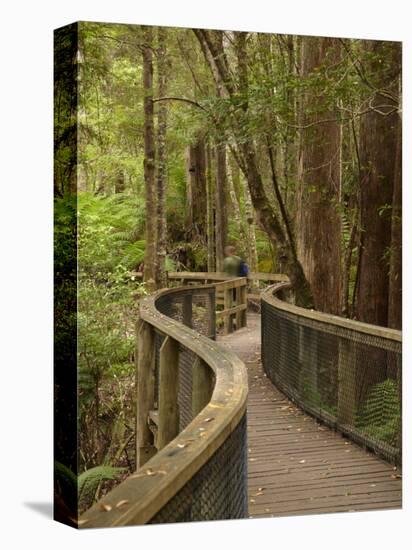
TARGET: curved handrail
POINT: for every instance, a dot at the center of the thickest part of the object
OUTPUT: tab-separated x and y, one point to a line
331	366
342	322
142	495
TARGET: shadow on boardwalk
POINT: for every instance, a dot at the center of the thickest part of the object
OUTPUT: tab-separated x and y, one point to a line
296	465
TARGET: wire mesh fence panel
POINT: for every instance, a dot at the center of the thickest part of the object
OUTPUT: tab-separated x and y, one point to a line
347	378
193	308
218	490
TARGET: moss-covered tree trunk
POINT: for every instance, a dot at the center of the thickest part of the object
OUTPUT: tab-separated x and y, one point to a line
149	162
161	180
196	190
318	232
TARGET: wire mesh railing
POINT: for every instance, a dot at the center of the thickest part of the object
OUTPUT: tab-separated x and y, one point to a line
191	420
345	373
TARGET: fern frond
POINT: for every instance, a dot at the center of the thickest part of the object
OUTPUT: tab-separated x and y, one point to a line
89	480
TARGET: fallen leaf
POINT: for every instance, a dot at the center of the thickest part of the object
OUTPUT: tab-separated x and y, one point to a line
82	521
302	461
209	419
106	507
121	503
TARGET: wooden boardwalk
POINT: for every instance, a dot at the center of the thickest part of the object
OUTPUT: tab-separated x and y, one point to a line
297	466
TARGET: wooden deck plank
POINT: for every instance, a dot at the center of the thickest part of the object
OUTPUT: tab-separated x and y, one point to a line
296	465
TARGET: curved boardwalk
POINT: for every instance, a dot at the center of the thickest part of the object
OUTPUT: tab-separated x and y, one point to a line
297	466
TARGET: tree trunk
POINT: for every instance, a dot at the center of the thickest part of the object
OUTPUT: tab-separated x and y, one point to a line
395	271
161	161
251	234
377	150
235	202
221	211
149	163
318	221
210	207
196	190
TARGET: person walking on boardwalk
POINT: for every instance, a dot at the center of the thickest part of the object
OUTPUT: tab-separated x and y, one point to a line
231	263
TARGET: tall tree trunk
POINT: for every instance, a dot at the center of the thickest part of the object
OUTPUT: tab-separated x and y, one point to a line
251	234
221	212
196	189
377	150
210	206
235	202
318	222
161	180
149	163
395	271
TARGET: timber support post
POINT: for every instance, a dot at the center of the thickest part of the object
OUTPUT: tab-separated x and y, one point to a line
202	386
211	297
187	310
145	376
227	300
347	383
168	427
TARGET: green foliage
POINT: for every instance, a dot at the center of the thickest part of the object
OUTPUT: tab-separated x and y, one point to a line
83	490
379	417
109	228
89	482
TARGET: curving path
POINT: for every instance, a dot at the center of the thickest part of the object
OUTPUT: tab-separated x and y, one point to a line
296	465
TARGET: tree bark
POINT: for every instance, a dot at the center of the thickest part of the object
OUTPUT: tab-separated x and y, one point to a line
377	150
196	189
149	276
235	202
210	207
161	179
318	222
395	271
221	207
251	234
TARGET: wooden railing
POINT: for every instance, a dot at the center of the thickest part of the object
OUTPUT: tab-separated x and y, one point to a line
231	293
344	372
169	460
206	277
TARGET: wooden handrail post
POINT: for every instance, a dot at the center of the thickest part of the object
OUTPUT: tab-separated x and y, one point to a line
227	320
145	375
243	301
239	301
168	392
211	305
187	310
202	386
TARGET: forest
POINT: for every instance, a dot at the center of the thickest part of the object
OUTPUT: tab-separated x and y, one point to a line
171	144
